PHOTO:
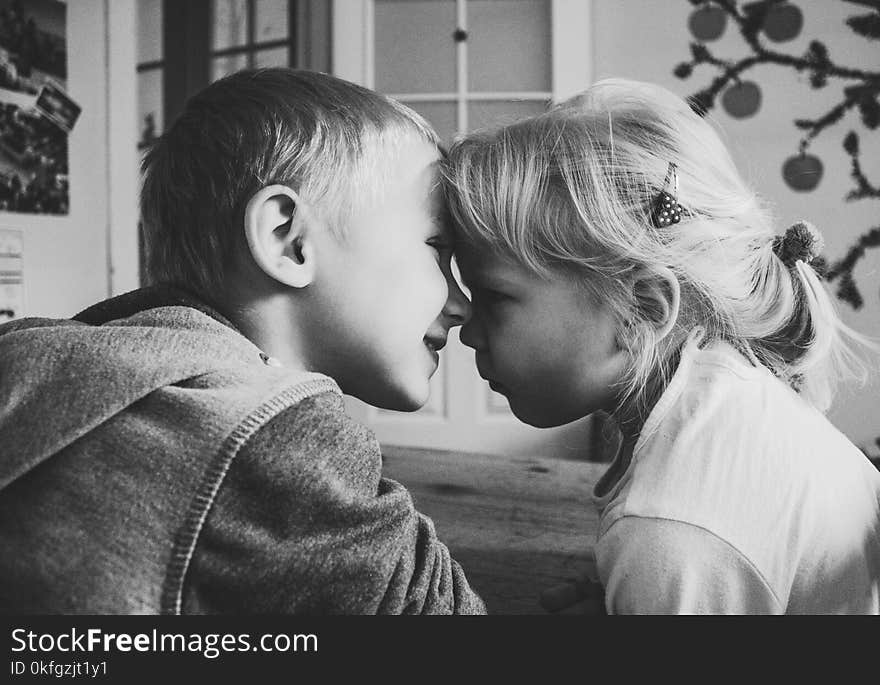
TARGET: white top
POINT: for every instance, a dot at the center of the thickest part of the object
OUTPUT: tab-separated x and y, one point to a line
740	498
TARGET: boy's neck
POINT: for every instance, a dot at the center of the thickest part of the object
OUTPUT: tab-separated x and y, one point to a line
279	338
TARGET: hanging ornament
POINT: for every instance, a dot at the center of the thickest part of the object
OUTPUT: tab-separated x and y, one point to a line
783	22
802	172
742	99
707	22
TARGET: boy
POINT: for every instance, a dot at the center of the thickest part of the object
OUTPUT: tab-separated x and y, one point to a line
184	447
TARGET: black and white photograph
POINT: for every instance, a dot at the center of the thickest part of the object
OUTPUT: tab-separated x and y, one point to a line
471	307
36	115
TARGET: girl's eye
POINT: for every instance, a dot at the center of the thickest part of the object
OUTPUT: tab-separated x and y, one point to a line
489	296
440	245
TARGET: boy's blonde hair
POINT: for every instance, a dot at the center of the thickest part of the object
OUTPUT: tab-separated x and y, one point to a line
324	137
571	191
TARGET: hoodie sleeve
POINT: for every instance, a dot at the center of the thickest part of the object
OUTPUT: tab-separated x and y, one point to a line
304	523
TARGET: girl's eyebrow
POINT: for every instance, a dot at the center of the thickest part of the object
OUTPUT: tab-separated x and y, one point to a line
491	279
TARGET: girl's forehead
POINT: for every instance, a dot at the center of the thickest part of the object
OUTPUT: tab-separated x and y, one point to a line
486	264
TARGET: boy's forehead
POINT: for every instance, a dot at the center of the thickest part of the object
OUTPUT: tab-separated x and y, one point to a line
408	158
412	174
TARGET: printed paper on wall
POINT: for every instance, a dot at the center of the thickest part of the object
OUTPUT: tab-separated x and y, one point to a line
11	275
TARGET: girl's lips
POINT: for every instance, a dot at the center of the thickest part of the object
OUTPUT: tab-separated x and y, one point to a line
493	384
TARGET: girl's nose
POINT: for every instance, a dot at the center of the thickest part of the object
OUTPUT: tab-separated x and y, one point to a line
458	307
472	334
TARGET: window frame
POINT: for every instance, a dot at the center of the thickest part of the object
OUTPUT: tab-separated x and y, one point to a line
571	55
187	52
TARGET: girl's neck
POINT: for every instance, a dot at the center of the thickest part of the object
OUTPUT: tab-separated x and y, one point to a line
630	422
628	434
630	417
632	413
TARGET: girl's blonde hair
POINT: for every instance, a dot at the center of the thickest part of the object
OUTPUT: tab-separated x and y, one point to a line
572	189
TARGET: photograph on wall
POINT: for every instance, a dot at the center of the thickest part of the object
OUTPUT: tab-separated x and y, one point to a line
11	275
36	113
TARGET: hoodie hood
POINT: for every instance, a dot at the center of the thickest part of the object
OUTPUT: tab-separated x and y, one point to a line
59	379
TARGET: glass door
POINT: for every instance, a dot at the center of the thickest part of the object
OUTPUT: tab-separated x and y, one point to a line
464	65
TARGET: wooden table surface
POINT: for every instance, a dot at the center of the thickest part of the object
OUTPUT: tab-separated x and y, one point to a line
517	526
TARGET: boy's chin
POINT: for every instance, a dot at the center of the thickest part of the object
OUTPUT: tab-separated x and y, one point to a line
400	399
408	405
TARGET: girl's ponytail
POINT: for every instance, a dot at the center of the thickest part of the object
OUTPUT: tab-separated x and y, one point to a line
822	347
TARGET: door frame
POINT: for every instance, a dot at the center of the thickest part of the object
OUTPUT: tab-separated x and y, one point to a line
456	418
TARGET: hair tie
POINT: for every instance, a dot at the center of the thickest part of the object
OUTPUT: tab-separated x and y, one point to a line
802	241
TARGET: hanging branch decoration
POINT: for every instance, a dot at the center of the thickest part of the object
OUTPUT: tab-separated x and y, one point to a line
780	21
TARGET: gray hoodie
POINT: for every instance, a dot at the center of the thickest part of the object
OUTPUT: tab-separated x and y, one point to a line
152	461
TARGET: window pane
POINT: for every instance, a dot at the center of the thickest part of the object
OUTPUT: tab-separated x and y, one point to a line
271	20
415	51
221	66
230	23
509	45
149	31
274	57
488	114
441	115
150	106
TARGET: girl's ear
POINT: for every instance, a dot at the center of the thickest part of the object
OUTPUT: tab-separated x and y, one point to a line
658	298
279	235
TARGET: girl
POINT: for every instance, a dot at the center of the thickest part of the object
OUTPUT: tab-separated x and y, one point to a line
618	262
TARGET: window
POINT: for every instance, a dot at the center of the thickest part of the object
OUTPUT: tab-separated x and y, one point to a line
184	45
250	33
150	71
464	64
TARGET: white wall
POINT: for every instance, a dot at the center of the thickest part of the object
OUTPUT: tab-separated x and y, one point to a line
635	39
67	258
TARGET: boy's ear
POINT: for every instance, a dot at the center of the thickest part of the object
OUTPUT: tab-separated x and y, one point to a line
278	235
658	297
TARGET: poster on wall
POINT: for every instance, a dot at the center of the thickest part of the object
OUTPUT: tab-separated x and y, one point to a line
36	113
11	275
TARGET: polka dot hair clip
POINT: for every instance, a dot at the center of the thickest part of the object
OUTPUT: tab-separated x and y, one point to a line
665	210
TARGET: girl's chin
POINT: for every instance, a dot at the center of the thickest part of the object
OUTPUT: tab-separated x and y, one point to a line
538	417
